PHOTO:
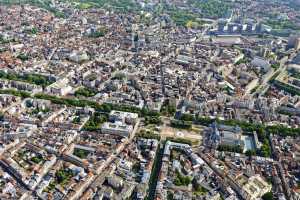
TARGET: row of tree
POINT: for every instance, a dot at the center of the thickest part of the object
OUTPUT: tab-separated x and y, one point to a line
286	87
36	79
247	127
181	124
105	107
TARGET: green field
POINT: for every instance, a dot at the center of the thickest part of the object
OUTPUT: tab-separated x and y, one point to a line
182	17
118	5
212	8
45	4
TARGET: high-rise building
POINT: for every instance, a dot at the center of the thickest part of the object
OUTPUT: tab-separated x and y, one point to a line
297	44
292	42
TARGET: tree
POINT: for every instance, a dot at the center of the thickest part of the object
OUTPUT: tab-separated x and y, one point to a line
76	120
268	196
170	196
63	175
181	180
181	124
23	57
34	31
153	120
250	153
187	117
80	153
86	92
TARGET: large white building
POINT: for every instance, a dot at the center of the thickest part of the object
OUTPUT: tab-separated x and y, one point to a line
226	135
117	128
252	188
261	63
124	117
60	88
295	63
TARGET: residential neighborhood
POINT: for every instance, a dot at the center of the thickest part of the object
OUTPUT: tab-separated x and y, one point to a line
149	100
